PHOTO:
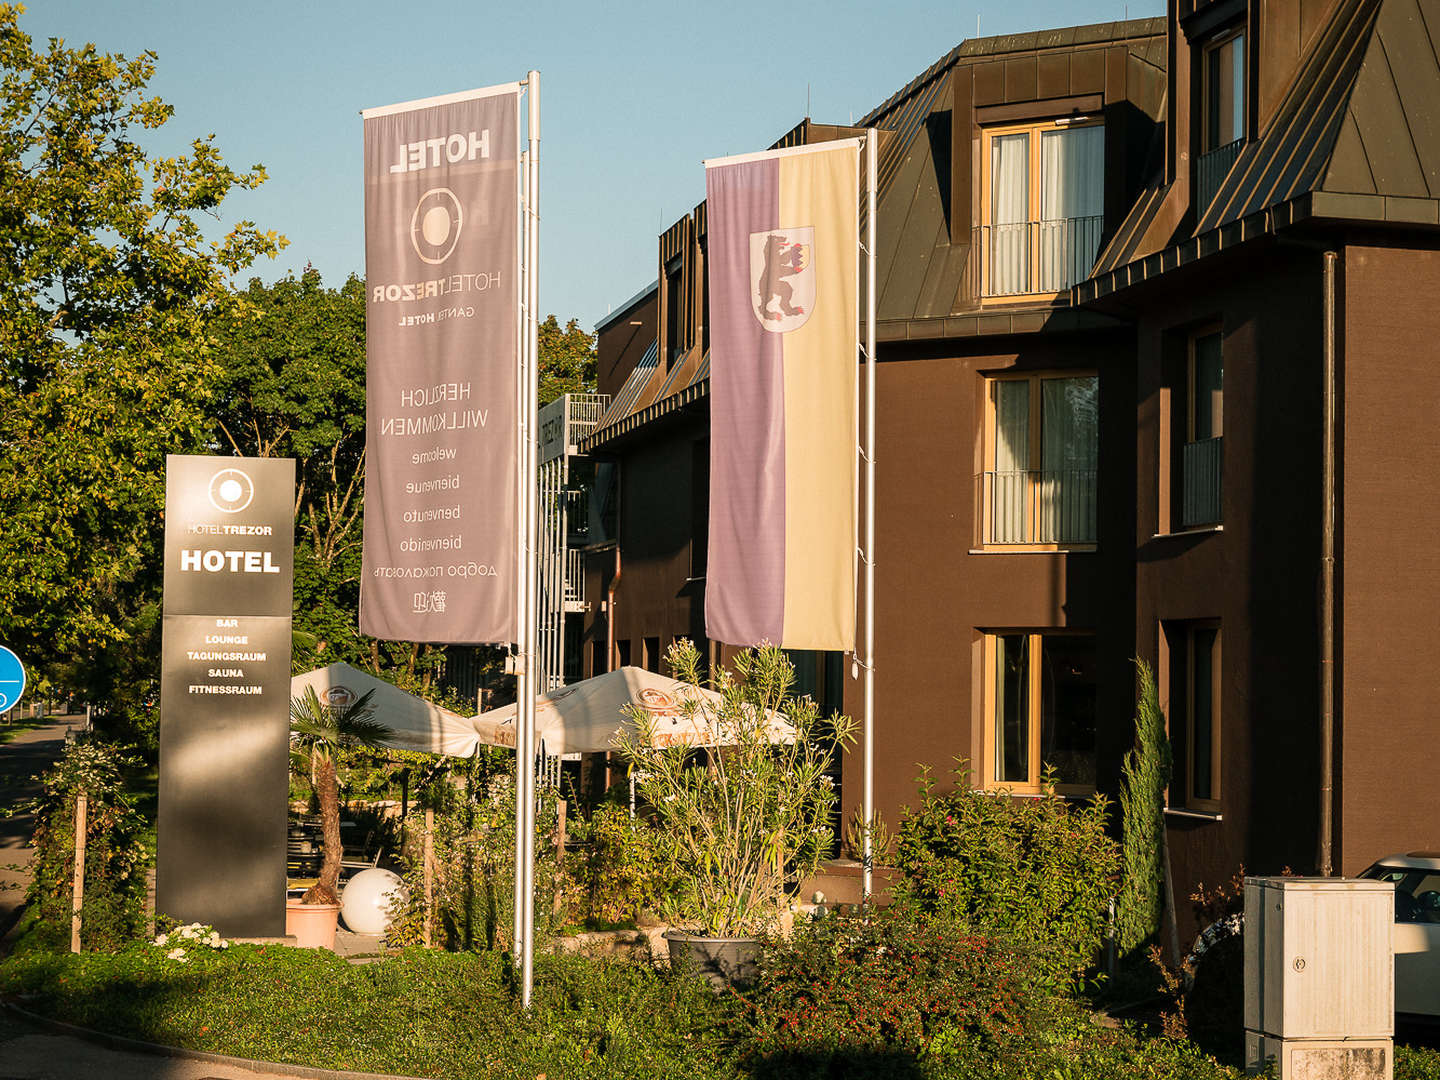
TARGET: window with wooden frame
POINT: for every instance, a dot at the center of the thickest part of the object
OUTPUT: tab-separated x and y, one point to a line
676	339
1042	206
1222	111
1203	451
1040	710
1223	94
1039	484
1194	655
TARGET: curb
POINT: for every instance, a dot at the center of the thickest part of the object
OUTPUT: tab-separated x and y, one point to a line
120	1042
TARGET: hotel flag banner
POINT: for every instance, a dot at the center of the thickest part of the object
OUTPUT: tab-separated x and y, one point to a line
442	330
783	249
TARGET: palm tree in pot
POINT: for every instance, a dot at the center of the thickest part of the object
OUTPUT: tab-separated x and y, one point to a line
317	732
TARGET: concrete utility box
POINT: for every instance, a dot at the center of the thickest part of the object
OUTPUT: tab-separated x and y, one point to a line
1319	977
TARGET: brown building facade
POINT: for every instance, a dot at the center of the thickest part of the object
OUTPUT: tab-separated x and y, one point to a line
1113	260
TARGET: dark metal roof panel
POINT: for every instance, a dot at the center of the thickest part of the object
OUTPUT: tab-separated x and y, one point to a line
634	387
681	375
1126	241
1408	31
1394	102
943	279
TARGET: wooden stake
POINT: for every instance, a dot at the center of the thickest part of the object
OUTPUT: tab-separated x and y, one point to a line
429	872
77	893
561	809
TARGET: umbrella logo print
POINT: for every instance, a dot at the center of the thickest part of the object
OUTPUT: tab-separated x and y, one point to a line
231	491
339	697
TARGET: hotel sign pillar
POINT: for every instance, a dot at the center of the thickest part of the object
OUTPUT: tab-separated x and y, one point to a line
225	693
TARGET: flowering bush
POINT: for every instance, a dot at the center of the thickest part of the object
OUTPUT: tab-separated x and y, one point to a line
192	935
115	851
1038	871
744	825
886	990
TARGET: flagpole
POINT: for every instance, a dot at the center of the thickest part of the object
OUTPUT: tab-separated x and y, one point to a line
532	348
522	322
869	721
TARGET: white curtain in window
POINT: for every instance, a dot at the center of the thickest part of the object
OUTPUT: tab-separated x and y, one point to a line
1069	449
1008	481
1009	214
1072	204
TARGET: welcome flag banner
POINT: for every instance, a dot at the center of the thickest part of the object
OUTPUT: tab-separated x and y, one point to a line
783	249
442	259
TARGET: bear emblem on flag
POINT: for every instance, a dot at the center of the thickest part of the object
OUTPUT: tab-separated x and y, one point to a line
782	277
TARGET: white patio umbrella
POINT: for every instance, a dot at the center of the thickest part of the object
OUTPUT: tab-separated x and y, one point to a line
416	723
586	717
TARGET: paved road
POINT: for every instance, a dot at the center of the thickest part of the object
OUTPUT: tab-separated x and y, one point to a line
27	1053
29	753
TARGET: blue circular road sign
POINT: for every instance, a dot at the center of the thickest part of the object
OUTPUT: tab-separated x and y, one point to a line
12	679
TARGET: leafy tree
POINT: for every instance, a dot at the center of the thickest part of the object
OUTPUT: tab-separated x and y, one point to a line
1142	809
107	283
291	383
567	360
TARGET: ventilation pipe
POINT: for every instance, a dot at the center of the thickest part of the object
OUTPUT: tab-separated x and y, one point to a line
1324	857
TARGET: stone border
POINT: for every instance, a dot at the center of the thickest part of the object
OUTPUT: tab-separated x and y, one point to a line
120	1042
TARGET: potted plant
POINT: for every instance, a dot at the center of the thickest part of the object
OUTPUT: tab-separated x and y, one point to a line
746	824
317	732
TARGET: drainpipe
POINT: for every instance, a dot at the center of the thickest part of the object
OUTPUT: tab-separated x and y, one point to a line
610	611
1327	580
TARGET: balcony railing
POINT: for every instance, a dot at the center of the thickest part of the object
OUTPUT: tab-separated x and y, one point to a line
1200	491
1211	169
1038	256
1039	506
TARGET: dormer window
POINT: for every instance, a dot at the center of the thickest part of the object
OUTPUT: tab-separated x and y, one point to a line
674	328
1222	123
1043	206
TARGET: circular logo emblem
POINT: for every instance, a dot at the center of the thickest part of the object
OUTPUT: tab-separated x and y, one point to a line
231	491
340	697
435	225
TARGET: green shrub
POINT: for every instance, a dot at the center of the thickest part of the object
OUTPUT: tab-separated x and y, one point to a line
1142	813
1417	1063
619	870
887	992
473	860
116	853
1038	871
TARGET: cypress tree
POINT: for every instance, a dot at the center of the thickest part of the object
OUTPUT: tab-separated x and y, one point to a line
1142	808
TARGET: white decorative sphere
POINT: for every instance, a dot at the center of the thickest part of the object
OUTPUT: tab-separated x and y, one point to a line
365	901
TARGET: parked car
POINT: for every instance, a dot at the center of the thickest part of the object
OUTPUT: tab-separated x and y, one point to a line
1416	936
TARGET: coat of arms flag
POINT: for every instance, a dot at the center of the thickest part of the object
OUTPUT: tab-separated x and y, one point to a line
783	247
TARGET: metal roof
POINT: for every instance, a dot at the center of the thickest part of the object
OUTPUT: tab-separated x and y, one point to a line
920	270
628	306
1355	138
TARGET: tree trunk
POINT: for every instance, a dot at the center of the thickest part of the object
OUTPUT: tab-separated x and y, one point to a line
327	788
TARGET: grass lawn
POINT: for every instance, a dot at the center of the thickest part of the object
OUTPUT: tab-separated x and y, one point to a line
453	1015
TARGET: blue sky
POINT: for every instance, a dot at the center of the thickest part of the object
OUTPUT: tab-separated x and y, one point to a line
634	96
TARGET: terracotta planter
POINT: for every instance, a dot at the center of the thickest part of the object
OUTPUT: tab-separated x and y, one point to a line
722	962
312	925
